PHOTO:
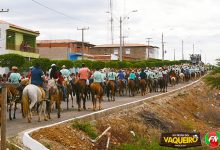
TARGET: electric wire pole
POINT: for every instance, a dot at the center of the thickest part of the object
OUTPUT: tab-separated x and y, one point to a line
174	54
83	39
112	29
162	48
182	51
148	43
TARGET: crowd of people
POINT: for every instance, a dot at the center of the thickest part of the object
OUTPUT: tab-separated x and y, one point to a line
38	77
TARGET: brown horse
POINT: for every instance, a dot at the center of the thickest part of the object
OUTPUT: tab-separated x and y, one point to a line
143	85
97	93
131	87
81	93
111	90
55	96
122	87
69	91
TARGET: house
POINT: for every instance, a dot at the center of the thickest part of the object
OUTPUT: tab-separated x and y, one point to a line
63	49
129	51
18	40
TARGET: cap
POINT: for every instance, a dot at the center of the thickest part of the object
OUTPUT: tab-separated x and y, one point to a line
53	65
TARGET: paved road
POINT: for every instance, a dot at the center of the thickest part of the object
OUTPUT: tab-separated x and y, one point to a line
19	124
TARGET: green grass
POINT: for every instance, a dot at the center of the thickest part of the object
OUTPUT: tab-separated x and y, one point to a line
86	127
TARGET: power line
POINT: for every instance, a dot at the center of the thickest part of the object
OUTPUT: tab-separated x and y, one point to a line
58	12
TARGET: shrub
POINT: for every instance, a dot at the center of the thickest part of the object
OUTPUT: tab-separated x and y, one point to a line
9	60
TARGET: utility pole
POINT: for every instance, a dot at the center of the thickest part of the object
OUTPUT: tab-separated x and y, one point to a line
112	29
162	48
83	39
193	48
4	10
182	51
174	54
120	51
148	43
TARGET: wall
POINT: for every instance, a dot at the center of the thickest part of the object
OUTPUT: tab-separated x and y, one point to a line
3	28
135	52
54	53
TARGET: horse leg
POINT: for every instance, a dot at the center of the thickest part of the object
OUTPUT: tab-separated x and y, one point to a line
67	101
44	107
15	110
84	102
72	99
10	107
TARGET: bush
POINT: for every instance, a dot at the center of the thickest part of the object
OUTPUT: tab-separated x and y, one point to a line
9	60
43	62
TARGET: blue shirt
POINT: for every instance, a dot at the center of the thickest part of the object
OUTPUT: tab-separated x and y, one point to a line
14	78
36	76
132	76
121	75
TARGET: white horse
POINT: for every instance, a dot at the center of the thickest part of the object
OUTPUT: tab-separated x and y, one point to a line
182	77
30	96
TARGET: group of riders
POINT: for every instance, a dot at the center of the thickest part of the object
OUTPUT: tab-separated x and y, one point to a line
105	81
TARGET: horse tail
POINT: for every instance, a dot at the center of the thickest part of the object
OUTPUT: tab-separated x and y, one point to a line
25	103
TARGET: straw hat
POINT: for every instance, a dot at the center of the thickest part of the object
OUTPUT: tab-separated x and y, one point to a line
63	66
14	68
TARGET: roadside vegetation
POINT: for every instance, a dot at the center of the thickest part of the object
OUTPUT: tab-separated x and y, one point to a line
9	60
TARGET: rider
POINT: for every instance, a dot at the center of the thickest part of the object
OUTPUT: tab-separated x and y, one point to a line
14	77
121	76
98	78
84	73
112	77
65	72
38	78
132	75
143	75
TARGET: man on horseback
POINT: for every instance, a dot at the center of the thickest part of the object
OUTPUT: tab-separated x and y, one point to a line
84	73
37	76
14	77
112	77
65	72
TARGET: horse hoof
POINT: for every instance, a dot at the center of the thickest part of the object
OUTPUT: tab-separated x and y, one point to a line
45	119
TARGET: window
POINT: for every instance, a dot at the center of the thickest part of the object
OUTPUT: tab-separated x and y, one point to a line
128	51
115	51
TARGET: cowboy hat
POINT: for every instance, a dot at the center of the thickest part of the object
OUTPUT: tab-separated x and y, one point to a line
63	66
53	65
14	68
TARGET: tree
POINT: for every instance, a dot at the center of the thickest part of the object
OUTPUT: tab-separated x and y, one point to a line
9	60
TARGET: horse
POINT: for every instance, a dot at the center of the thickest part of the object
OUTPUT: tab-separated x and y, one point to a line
97	93
163	82
131	87
182	77
137	84
122	87
31	95
69	91
81	93
143	85
55	96
14	96
155	85
111	90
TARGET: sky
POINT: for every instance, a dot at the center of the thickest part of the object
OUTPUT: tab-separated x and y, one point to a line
193	21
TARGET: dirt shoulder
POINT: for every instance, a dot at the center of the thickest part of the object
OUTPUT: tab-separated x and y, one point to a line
196	109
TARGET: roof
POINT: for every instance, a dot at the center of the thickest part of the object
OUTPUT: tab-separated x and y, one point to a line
18	27
125	45
60	41
56	41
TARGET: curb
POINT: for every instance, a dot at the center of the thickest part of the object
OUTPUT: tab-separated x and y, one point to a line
32	144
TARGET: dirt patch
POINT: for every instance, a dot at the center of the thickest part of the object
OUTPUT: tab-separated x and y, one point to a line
194	110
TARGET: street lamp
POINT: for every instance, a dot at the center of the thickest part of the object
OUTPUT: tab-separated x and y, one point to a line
121	20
